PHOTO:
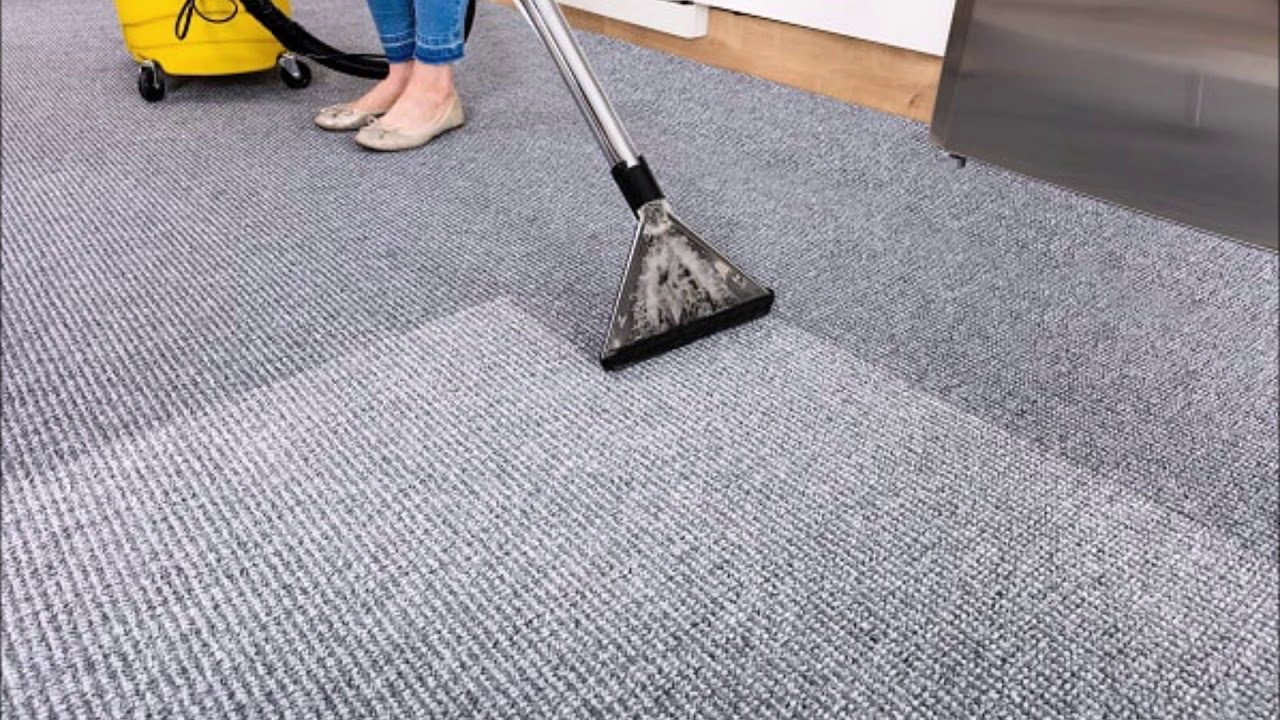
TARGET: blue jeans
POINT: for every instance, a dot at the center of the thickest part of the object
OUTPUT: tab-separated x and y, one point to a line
429	31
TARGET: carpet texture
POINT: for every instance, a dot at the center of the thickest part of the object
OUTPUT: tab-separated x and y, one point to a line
294	430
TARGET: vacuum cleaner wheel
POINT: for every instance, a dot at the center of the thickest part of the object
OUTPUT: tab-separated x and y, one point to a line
151	84
295	73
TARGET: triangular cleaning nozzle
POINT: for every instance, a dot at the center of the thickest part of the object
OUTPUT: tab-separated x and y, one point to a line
676	289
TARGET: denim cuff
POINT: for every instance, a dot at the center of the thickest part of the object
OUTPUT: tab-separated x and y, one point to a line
397	55
399	48
438	53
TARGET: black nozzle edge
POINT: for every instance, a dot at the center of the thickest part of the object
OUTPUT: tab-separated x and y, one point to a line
637	184
743	312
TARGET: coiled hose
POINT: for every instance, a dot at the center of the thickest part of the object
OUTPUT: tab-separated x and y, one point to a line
296	39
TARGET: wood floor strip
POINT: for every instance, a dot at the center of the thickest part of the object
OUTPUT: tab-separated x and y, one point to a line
894	80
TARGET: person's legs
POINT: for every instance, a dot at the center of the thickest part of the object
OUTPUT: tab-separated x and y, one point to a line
438	42
396	21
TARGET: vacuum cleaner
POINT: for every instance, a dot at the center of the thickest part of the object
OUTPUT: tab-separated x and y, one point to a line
201	38
231	37
676	288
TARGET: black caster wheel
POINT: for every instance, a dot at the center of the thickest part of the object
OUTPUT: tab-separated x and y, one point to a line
960	160
151	82
295	73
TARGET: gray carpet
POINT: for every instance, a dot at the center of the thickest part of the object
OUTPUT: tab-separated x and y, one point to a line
292	430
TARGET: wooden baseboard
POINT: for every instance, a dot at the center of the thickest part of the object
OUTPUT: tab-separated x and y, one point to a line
902	82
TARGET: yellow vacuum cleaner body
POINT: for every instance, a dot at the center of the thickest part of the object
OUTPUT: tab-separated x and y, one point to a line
201	38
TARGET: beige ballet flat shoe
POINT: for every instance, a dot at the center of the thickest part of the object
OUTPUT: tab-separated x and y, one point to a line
341	118
377	136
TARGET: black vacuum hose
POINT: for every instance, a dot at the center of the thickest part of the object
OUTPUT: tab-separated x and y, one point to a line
295	38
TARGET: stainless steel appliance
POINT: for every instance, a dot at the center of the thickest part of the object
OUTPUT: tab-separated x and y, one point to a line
1168	106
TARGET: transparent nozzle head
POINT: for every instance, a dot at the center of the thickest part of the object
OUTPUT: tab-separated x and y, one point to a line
673	280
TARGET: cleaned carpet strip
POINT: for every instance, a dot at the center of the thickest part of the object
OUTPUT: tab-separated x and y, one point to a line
411	530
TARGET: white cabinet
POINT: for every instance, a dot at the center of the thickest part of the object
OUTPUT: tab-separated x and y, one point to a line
681	19
920	25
